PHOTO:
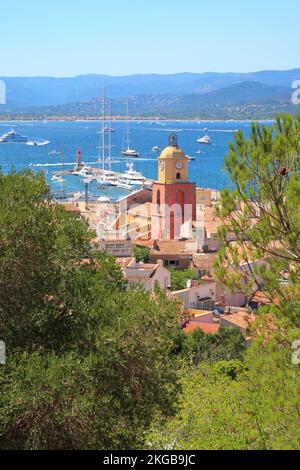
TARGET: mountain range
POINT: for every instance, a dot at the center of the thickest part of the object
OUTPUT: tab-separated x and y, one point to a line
205	95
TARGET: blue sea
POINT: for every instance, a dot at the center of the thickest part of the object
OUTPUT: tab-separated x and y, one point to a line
207	170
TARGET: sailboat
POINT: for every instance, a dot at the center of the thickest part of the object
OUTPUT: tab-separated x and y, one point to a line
107	177
129	152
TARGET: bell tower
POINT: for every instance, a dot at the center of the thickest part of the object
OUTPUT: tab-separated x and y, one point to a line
172	163
173	197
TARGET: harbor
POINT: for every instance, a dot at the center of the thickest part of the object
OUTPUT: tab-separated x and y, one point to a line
206	169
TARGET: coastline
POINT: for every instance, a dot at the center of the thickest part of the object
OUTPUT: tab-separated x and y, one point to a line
3	119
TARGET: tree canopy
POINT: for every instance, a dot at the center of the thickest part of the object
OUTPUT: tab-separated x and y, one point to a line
88	362
179	278
261	213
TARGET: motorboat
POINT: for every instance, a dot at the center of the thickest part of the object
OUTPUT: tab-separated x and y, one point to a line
13	137
130	153
57	179
86	172
107	130
155	148
205	140
38	142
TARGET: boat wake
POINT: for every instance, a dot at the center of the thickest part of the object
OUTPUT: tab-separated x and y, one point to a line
167	130
58	164
231	131
52	164
137	159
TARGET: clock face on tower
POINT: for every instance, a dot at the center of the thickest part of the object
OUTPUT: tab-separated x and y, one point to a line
162	165
179	165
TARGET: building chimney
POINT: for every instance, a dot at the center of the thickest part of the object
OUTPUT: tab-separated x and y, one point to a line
191	283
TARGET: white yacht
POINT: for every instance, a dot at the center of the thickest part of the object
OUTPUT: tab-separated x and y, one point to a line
124	184
13	137
86	172
127	151
57	179
107	178
133	177
155	148
205	140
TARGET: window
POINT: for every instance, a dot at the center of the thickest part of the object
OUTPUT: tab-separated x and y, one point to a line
207	305
110	247
202	272
158	198
180	201
172	262
178	176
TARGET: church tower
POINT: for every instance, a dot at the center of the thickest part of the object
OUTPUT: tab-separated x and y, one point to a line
173	196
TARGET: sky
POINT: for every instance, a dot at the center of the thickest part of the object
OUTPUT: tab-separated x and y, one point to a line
65	38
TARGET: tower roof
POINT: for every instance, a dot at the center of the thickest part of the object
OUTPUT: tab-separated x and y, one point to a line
172	150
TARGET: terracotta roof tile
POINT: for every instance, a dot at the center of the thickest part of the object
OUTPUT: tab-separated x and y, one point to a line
123	262
204	261
169	247
241	319
205	327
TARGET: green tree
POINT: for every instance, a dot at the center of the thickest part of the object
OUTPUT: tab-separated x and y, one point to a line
141	253
232	405
226	344
40	245
89	362
261	213
99	397
179	278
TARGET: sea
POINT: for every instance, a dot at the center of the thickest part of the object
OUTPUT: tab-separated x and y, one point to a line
207	170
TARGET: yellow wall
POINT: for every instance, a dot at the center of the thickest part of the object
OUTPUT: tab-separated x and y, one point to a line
171	163
203	196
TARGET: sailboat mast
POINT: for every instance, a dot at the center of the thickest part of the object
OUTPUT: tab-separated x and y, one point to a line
63	167
103	130
109	137
128	146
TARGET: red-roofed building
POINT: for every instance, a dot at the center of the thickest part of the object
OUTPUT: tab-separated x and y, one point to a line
202	320
209	328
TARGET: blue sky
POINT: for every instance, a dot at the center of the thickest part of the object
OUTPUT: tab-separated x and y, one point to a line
119	37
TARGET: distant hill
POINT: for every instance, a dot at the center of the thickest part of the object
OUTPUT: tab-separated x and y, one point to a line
49	91
247	100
